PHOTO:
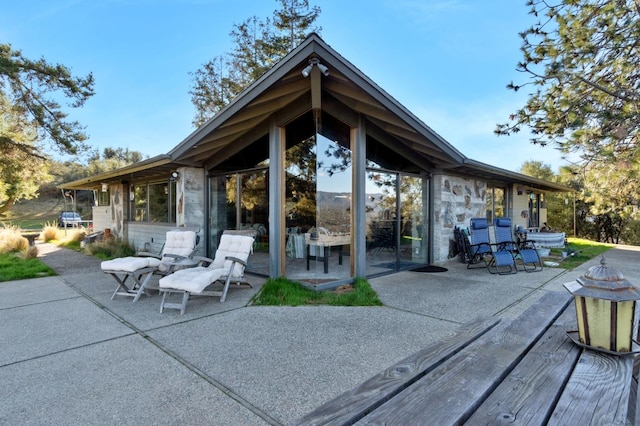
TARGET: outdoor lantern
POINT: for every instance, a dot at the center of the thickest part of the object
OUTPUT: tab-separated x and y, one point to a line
605	305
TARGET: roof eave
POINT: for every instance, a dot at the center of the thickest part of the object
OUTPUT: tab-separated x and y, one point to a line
518	177
92	181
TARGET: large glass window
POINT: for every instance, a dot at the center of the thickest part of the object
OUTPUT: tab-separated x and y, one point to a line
140	203
396	228
159	202
102	198
318	210
240	200
154	202
495	203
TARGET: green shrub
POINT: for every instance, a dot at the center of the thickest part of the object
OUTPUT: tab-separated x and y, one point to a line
110	248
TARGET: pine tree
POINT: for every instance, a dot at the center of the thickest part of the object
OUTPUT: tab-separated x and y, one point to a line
582	59
258	45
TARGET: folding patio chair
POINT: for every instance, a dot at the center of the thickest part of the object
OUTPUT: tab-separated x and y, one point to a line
522	253
228	265
178	246
479	243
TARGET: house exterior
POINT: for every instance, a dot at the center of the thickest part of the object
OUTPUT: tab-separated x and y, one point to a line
337	179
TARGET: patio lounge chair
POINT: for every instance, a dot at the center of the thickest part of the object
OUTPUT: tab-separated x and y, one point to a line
179	245
228	265
500	255
479	243
525	254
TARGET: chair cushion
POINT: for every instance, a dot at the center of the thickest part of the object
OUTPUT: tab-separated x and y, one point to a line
129	264
193	280
238	246
181	243
479	223
503	221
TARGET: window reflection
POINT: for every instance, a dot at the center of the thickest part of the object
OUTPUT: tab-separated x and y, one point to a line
395	213
318	210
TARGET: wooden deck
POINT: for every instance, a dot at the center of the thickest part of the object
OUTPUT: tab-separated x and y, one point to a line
526	371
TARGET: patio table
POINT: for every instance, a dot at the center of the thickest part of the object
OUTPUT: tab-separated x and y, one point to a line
324	243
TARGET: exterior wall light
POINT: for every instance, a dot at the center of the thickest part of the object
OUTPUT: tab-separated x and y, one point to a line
605	307
174	176
314	62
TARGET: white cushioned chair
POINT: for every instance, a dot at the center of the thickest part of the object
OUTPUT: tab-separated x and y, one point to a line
179	245
228	265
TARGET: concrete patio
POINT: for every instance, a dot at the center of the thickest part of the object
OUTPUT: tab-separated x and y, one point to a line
70	355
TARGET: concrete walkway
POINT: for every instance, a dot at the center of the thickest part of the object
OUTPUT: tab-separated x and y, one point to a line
70	355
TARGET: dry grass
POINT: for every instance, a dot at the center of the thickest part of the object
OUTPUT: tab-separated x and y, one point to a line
49	232
11	240
31	253
74	235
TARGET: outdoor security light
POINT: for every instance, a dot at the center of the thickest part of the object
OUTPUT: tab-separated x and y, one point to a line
324	70
174	176
307	70
605	306
314	61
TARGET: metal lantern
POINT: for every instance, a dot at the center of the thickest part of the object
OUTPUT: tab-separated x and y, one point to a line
605	306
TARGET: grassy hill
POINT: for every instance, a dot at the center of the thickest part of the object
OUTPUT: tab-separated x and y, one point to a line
34	214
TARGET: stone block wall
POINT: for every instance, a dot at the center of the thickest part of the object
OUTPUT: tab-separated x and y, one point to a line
456	201
191	198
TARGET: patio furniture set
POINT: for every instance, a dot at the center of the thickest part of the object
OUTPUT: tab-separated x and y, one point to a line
181	272
507	250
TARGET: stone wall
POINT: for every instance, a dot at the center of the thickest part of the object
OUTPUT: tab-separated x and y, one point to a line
191	198
456	200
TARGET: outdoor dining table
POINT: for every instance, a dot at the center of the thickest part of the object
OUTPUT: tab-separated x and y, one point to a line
324	243
524	371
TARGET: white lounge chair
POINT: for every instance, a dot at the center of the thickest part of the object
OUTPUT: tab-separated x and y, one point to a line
179	245
228	265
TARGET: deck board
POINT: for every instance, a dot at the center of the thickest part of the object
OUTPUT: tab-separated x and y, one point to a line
453	391
353	405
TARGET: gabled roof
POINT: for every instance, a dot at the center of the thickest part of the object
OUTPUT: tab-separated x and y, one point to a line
283	94
346	92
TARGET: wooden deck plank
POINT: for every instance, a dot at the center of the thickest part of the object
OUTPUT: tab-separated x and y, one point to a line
452	392
597	392
354	404
530	392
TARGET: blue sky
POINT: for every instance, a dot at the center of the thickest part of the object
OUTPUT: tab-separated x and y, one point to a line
447	61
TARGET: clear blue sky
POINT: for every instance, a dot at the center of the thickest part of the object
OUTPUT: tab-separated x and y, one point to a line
447	61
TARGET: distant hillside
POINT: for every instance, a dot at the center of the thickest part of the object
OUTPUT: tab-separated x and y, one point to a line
34	214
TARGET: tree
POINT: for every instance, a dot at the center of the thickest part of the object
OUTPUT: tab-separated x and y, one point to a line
559	214
111	159
538	170
29	115
22	169
258	45
294	22
582	60
611	192
32	88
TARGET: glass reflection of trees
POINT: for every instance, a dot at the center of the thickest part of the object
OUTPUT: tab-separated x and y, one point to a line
254	200
300	164
318	185
383	228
